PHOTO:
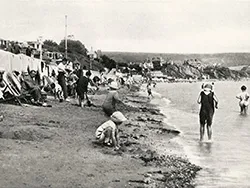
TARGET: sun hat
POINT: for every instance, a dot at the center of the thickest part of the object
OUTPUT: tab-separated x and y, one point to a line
208	87
113	85
118	117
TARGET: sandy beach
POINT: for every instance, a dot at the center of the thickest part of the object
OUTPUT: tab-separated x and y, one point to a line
55	147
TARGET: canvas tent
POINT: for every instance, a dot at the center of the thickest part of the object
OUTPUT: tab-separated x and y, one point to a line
12	62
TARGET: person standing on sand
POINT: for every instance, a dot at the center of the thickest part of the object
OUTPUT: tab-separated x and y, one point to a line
62	80
244	100
149	90
2	85
109	105
208	101
82	87
28	51
71	82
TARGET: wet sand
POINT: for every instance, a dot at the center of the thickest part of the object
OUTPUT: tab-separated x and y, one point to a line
55	147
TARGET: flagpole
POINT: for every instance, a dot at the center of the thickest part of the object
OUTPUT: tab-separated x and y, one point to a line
66	51
91	59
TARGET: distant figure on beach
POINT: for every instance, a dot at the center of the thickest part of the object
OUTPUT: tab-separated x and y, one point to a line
62	79
30	86
112	98
244	99
2	85
82	87
149	90
17	48
154	84
208	101
28	51
107	133
57	91
71	83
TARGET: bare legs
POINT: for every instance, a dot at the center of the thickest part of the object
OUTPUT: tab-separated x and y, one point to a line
81	99
81	102
107	136
209	132
243	109
202	132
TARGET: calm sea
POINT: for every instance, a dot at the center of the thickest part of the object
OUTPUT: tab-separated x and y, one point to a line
226	161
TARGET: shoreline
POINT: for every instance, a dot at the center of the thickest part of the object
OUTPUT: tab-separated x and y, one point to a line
54	147
162	138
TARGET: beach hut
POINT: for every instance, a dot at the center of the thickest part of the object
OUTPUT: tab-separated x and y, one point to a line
12	62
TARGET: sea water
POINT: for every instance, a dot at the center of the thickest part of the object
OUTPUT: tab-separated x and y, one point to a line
225	161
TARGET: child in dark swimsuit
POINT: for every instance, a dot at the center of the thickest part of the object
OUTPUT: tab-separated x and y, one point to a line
208	102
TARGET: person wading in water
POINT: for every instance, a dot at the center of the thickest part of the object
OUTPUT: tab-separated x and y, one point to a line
208	101
244	100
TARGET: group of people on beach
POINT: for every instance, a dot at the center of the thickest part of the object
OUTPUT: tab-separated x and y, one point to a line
107	133
76	83
208	101
68	82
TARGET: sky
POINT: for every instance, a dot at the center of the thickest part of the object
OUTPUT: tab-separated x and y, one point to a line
165	26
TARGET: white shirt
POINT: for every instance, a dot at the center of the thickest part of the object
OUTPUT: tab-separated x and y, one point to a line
61	67
102	128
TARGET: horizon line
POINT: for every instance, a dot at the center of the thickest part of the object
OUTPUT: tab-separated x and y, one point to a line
186	53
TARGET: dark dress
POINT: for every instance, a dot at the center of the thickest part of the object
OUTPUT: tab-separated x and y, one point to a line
82	86
62	83
207	108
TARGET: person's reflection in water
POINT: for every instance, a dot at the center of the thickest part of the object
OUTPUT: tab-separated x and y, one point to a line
205	148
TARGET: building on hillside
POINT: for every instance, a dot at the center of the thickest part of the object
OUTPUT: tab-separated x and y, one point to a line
99	54
195	63
53	55
33	44
92	54
158	62
157	74
147	64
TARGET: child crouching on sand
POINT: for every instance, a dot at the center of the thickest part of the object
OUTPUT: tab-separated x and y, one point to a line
107	133
244	99
57	91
